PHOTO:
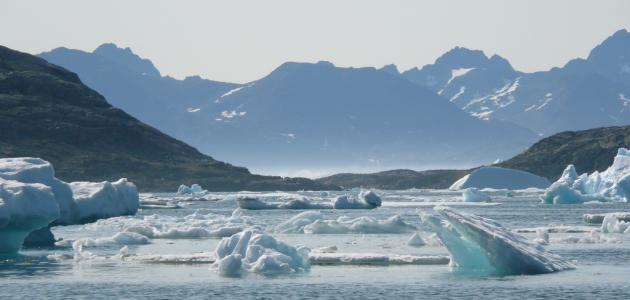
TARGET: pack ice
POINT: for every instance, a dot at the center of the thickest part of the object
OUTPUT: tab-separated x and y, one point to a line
613	184
500	178
313	222
251	251
482	245
74	203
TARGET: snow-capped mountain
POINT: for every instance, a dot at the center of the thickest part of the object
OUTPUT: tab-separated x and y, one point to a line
585	93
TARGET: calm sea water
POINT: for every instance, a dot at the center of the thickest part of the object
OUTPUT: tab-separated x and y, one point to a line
603	266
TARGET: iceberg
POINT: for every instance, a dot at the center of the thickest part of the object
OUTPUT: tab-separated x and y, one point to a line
102	200
613	184
500	178
24	207
365	200
255	252
482	245
612	224
194	189
474	195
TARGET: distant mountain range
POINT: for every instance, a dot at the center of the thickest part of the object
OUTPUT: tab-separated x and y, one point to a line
585	93
301	115
47	112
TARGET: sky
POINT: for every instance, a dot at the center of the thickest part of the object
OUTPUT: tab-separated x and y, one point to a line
241	41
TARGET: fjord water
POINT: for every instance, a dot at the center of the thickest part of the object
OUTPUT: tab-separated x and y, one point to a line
602	263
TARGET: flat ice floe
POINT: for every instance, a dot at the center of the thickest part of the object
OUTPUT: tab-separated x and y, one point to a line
613	184
478	244
313	222
24	207
375	259
500	178
363	200
251	251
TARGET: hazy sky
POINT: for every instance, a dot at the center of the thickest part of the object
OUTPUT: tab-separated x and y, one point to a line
242	41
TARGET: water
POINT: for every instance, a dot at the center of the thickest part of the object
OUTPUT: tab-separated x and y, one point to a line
602	265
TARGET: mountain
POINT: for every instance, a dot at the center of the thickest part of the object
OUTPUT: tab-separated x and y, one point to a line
305	116
397	179
136	86
47	112
585	93
589	150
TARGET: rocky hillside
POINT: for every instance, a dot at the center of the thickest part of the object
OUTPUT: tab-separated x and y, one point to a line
47	112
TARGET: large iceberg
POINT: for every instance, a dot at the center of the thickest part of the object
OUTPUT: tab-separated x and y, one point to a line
500	178
251	251
482	245
101	200
24	207
613	184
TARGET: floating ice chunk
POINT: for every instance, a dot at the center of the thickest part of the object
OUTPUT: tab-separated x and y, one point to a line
296	223
121	238
365	200
613	184
500	178
416	240
194	189
253	203
101	200
599	218
24	207
255	252
375	259
367	225
474	195
481	245
36	170
611	224
326	249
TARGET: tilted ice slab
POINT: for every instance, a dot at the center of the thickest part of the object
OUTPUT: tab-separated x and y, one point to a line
24	207
313	222
251	251
474	195
500	178
613	184
101	200
478	244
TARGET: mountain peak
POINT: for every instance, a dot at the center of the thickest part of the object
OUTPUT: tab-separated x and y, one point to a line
126	57
613	47
462	57
391	69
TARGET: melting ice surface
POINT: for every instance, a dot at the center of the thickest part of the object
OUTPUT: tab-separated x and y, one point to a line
481	245
174	260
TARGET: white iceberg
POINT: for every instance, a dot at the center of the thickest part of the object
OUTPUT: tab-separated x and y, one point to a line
250	251
611	224
613	184
101	200
194	189
365	200
24	207
482	245
474	195
500	178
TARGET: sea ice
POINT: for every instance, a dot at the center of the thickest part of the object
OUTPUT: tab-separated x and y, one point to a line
375	259
613	184
253	203
474	195
367	225
251	251
120	238
500	178
24	207
478	244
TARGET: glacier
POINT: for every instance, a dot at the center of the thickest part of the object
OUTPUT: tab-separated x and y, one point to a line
480	245
255	252
613	184
24	207
500	178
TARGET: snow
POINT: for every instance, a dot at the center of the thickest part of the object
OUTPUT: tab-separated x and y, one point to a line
252	251
232	91
194	189
375	259
313	222
232	114
474	195
365	200
613	184
611	224
500	178
416	240
458	73
478	244
599	218
100	200
24	207
461	92
193	109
